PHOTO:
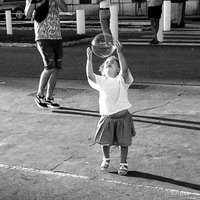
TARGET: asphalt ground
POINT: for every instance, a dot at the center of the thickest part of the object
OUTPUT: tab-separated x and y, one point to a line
148	64
50	154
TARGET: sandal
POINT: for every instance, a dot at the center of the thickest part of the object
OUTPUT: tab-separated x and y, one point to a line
123	170
105	163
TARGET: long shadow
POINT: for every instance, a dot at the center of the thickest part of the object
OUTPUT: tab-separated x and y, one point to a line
168	124
73	111
167	119
185	124
78	110
137	174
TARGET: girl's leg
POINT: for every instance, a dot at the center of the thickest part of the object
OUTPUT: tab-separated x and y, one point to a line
106	157
124	154
106	151
123	170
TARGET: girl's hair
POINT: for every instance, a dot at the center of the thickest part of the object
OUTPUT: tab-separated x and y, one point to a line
102	65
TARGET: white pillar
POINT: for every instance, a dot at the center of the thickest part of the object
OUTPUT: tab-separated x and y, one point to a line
160	31
114	21
9	22
167	15
80	21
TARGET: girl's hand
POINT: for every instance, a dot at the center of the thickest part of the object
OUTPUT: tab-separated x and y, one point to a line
89	53
118	46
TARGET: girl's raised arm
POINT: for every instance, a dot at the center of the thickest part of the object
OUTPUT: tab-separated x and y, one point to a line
89	66
122	60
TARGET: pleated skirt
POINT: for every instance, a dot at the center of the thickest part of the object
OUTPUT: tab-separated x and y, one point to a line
117	129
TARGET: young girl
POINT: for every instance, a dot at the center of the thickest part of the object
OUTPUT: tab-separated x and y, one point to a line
116	125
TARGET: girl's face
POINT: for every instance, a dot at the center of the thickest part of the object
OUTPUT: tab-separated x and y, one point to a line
111	68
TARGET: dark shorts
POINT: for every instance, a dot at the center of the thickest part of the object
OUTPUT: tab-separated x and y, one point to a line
155	11
116	129
51	52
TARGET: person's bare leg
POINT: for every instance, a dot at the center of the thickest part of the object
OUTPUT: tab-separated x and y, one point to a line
106	157
52	82
124	154
44	77
152	20
123	170
157	20
106	151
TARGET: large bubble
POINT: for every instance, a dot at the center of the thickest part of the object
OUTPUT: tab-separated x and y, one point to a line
102	45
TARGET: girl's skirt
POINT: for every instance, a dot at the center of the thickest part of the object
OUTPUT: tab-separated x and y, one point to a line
116	129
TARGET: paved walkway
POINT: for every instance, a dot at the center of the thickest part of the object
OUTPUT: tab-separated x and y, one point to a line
38	145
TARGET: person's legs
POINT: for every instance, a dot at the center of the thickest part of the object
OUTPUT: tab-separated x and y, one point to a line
123	170
58	55
152	21
105	151
52	53
40	97
105	23
45	48
50	89
44	78
124	154
154	14
155	29
106	157
182	20
52	83
157	21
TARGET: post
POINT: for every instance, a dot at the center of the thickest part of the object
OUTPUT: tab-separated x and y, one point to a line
80	21
9	22
114	21
160	31
167	15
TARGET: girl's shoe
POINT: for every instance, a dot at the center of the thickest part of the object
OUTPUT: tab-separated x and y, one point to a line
123	170
105	163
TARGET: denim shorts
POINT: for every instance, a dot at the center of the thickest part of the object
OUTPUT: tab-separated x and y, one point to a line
51	52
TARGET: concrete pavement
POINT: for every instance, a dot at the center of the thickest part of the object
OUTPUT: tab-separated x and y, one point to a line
44	144
148	63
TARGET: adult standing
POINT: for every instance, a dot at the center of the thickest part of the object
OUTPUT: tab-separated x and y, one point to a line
181	20
49	44
104	16
154	14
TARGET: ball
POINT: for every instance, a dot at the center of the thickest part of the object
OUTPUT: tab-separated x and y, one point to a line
102	45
